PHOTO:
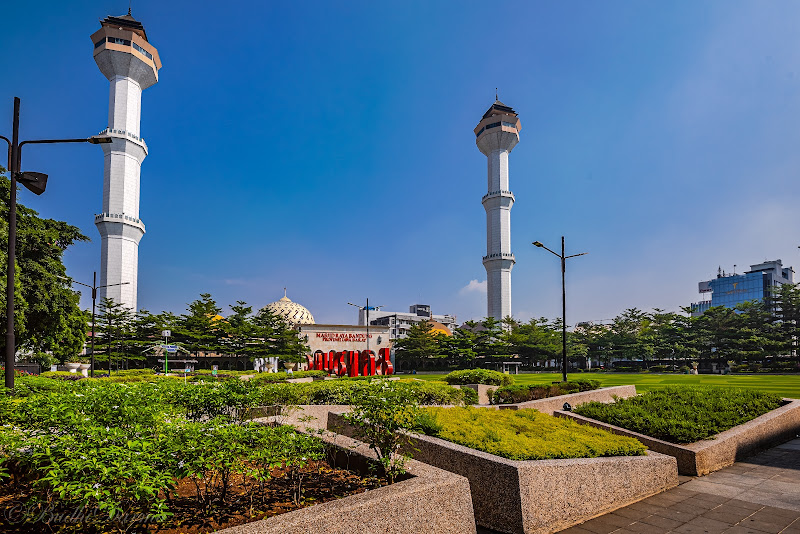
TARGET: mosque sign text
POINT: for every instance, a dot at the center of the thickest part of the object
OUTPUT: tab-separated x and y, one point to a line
342	336
352	362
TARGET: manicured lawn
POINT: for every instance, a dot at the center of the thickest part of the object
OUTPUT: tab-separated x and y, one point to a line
784	385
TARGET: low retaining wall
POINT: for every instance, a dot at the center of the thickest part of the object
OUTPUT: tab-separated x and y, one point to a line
484	391
433	501
703	457
541	496
553	404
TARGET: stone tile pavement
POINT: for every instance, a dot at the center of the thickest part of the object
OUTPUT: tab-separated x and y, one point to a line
760	495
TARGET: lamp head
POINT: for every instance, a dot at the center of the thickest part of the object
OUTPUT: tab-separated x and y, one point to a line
35	182
538	244
100	139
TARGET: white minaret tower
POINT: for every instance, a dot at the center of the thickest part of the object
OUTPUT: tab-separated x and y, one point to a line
497	135
131	64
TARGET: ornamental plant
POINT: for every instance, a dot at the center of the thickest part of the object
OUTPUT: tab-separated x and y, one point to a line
681	414
516	394
345	391
524	434
479	376
382	414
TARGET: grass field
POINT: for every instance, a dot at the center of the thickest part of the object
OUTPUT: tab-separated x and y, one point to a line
784	385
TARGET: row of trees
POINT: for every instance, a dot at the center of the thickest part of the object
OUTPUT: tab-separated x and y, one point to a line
122	336
753	331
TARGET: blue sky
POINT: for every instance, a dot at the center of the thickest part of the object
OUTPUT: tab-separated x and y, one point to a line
328	147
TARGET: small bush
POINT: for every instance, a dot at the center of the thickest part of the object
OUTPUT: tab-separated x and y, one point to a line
479	376
380	414
343	391
525	434
516	394
683	414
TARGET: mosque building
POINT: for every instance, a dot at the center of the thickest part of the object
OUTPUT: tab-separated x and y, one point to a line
328	337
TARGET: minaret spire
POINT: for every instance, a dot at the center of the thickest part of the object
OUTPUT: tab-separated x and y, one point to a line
496	136
130	63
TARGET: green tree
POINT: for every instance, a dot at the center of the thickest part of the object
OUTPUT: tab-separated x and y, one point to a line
201	330
536	341
419	343
47	313
113	333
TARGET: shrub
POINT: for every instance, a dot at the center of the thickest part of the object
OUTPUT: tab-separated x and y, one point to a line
381	413
62	375
683	414
343	391
479	376
115	451
230	399
525	434
516	394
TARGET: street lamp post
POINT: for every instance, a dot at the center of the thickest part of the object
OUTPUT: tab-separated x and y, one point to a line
367	308
36	183
94	287
563	259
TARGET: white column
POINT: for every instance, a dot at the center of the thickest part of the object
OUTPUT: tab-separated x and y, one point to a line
125	105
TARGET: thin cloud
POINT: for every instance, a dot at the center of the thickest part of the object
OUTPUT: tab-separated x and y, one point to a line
473	287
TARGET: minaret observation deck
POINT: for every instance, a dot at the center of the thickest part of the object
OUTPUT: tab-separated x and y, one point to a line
496	136
131	64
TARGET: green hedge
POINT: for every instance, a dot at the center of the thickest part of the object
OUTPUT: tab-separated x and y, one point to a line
479	376
516	394
683	414
525	434
343	392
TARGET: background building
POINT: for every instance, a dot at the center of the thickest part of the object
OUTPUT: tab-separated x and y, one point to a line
496	136
400	323
731	289
131	63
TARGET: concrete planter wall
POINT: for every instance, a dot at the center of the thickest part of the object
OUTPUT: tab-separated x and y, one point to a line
703	457
542	496
553	404
433	501
484	391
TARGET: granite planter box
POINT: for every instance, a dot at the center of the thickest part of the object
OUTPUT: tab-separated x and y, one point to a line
552	404
430	500
541	496
703	457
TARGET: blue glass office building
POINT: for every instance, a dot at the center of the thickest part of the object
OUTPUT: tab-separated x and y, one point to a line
731	289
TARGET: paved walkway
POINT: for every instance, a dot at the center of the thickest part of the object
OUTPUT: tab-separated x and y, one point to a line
760	495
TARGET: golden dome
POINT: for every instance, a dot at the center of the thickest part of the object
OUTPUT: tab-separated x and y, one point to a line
293	312
439	328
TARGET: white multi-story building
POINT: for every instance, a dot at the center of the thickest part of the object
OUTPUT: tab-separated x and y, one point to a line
496	136
131	64
400	323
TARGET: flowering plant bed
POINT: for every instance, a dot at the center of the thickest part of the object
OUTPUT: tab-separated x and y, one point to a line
683	414
717	448
524	434
107	455
248	499
540	496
